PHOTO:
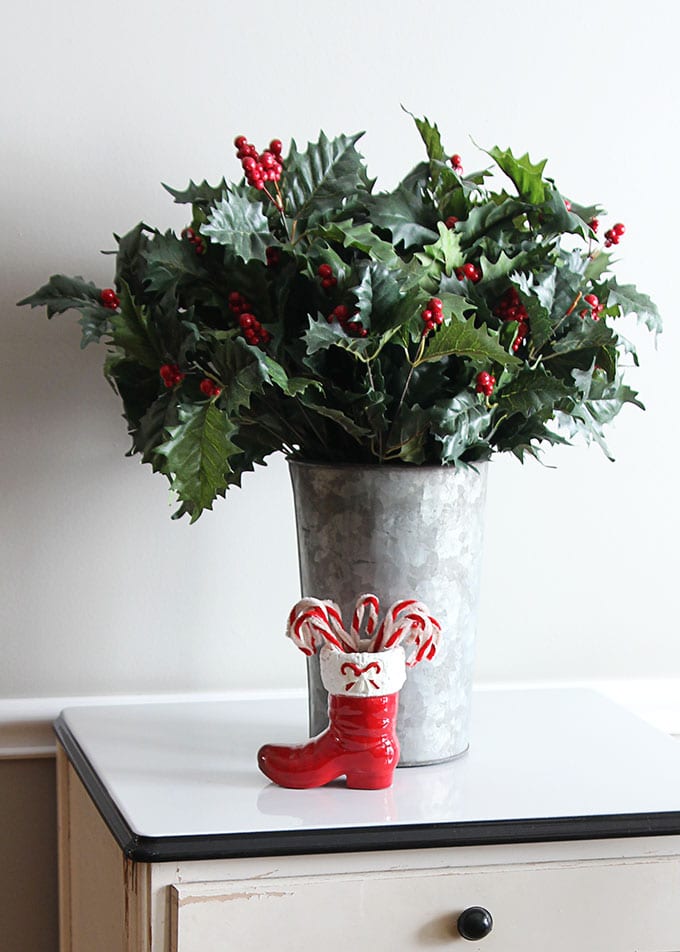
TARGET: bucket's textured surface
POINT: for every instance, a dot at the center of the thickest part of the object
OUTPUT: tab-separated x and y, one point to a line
400	532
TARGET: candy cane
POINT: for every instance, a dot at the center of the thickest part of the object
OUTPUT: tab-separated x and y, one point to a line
313	622
408	623
364	603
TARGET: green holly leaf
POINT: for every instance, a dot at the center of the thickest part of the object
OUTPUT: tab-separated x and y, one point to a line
404	213
431	136
240	224
320	179
170	263
337	416
458	424
133	333
631	301
378	296
586	334
201	194
152	429
362	237
490	219
463	339
198	452
598	265
445	254
62	293
526	177
531	391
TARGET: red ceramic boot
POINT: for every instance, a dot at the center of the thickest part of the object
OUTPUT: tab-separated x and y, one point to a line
360	741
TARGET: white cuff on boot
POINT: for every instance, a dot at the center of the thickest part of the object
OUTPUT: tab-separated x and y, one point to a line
363	673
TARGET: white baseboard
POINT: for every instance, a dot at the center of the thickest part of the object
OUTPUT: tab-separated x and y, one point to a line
26	723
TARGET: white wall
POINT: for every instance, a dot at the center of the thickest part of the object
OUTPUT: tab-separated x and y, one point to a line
99	591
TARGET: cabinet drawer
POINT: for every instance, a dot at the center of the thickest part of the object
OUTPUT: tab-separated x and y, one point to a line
599	906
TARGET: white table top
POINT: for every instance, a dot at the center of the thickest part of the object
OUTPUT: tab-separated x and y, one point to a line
189	769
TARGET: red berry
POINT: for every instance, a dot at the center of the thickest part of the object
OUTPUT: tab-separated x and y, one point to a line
188	233
438	318
171	375
276	146
240	142
619	229
592	299
341	312
456	162
451	221
459	273
426	315
470	271
328	282
435	304
595	223
324	271
209	388
109	298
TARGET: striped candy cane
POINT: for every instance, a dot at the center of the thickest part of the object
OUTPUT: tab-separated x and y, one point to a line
313	623
366	605
408	623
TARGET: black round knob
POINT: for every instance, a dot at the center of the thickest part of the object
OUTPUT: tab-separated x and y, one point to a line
475	923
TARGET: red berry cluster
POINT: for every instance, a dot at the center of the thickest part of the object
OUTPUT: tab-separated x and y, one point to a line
614	234
200	246
595	307
510	308
451	221
253	331
171	375
594	223
259	167
328	279
344	317
109	298
469	271
209	387
456	163
485	382
432	315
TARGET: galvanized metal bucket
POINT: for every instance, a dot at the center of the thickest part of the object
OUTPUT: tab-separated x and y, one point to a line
400	531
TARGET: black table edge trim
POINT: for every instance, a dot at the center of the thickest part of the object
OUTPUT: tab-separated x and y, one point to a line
151	849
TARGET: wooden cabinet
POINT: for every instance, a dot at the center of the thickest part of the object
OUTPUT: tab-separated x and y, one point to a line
171	842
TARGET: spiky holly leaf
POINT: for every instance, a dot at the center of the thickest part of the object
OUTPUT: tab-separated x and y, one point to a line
133	333
320	179
598	265
62	293
586	334
431	136
170	262
405	215
200	193
152	431
409	433
378	295
463	339
490	219
442	256
531	391
458	424
130	262
525	175
240	224
337	416
198	452
632	301
362	237
320	335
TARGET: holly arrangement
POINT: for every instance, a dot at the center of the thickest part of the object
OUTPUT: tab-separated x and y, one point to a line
302	311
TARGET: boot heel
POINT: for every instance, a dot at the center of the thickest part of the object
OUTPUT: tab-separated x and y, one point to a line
369	780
